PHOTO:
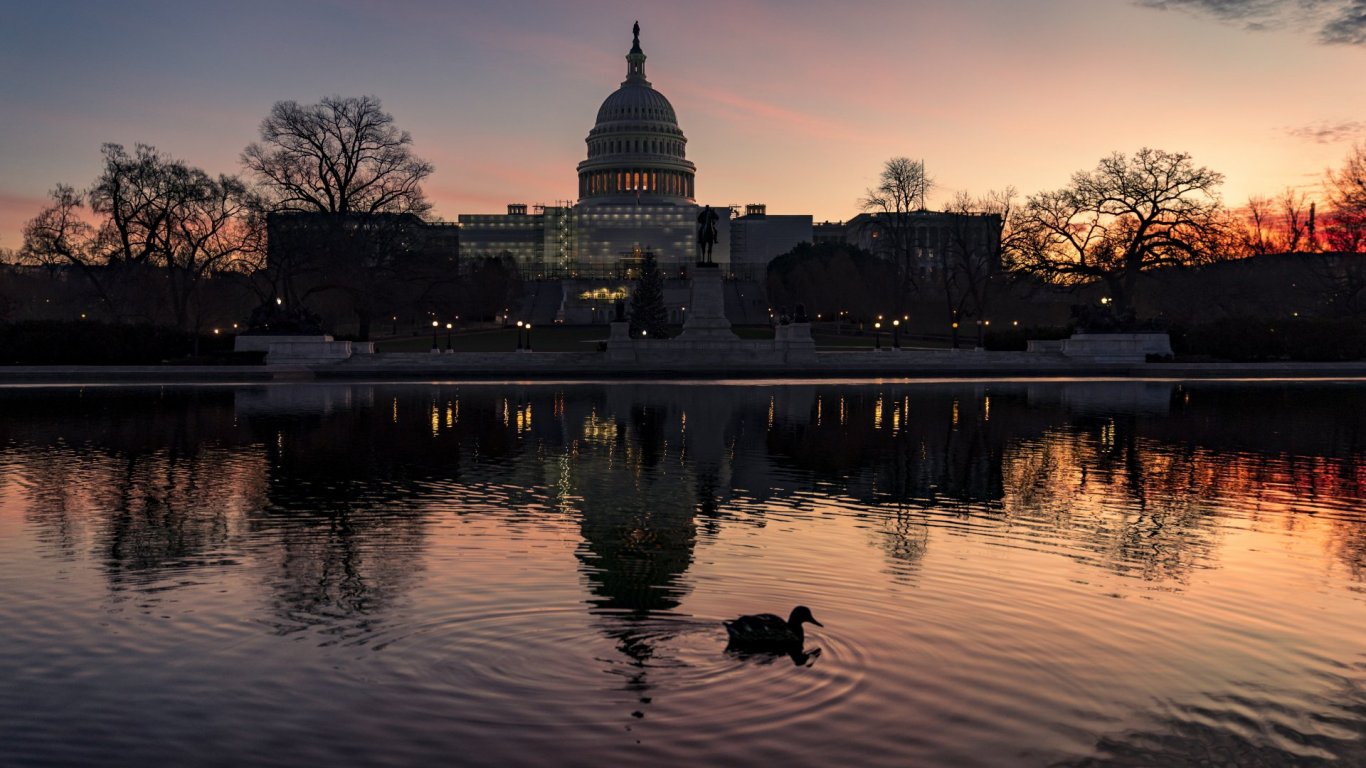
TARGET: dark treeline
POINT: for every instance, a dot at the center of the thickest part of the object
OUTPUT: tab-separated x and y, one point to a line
329	225
1141	241
329	220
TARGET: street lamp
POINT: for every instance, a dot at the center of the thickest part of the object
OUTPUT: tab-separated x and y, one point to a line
896	334
435	325
877	335
528	337
519	335
449	326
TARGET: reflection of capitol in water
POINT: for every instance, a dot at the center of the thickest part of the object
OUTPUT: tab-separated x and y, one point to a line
645	469
398	573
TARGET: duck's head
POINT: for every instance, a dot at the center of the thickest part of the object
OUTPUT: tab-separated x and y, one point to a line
802	614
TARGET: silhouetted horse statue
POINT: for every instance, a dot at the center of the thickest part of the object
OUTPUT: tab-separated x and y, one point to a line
706	234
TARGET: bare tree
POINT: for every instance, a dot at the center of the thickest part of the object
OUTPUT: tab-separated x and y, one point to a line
1294	220
59	237
163	229
966	263
1347	186
1127	216
210	233
898	196
345	189
1259	236
1344	227
342	155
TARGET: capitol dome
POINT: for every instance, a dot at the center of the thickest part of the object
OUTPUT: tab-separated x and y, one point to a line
636	151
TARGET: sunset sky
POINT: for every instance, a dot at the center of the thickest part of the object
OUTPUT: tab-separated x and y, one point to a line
793	103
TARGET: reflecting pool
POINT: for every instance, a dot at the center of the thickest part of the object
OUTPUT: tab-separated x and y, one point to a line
1008	573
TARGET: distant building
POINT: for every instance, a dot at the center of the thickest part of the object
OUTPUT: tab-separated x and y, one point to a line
542	241
396	236
828	232
757	238
931	235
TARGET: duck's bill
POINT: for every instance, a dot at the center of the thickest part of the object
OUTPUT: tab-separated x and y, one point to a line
817	623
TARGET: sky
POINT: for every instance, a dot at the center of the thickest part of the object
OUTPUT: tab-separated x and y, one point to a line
792	103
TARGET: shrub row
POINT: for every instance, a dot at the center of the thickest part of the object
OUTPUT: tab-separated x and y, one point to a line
1255	339
1013	339
82	342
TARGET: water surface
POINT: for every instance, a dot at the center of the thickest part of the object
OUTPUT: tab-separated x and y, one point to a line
1043	573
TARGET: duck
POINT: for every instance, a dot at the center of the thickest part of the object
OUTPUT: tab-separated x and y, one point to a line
766	631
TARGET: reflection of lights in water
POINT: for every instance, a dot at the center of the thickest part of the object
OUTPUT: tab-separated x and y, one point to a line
436	420
877	413
955	411
564	483
819	403
1107	434
603	431
986	408
507	419
395	410
523	418
450	414
896	419
770	412
844	412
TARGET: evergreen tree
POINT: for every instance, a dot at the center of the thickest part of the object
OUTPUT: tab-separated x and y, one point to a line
649	318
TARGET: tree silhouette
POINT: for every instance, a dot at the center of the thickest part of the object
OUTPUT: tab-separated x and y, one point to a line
1345	228
649	318
344	164
164	229
900	193
1127	216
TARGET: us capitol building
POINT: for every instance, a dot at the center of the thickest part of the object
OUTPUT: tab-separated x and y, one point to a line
637	194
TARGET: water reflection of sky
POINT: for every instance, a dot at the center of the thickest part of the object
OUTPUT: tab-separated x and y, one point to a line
1126	571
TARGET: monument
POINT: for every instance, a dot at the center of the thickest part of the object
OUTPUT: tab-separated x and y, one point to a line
706	317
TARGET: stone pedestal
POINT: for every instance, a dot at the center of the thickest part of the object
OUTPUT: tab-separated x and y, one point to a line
706	319
260	342
1116	347
307	352
619	347
795	343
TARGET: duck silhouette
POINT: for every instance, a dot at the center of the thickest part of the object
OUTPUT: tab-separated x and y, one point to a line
768	633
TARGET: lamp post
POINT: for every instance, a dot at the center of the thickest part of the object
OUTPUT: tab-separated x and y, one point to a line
877	335
519	335
435	325
449	326
896	334
528	337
